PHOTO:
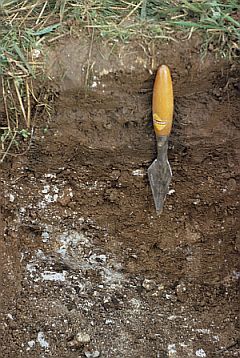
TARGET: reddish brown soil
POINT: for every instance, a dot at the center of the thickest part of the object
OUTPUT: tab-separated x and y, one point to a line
82	250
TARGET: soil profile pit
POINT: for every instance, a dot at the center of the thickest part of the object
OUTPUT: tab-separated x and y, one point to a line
84	251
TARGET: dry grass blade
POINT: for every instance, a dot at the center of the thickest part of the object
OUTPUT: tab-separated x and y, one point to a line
29	13
12	105
131	12
28	106
89	57
41	12
62	9
20	100
5	103
19	6
7	151
9	147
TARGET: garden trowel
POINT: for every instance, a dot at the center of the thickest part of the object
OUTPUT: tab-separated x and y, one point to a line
159	172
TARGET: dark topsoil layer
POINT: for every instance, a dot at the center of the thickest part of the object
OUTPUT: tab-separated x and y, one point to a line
82	250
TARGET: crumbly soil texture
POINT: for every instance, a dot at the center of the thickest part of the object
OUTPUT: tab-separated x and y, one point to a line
87	267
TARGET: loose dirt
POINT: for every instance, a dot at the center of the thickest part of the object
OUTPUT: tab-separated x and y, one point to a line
87	268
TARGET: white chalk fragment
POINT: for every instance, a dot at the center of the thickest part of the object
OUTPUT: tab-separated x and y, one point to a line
36	53
138	172
200	353
83	338
42	341
45	236
11	198
46	189
53	276
172	350
31	343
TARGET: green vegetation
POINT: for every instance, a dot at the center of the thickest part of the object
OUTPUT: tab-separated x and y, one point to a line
26	26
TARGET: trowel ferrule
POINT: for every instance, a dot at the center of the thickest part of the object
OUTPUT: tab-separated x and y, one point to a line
162	148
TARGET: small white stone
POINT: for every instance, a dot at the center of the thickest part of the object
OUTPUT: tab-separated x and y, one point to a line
138	172
46	189
148	284
200	353
31	344
49	175
36	53
171	192
53	276
42	341
94	354
135	303
55	189
55	197
45	236
172	350
108	321
94	259
11	198
82	338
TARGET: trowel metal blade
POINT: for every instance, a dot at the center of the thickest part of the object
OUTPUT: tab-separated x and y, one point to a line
159	174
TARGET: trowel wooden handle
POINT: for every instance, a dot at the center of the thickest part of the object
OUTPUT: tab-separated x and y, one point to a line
162	102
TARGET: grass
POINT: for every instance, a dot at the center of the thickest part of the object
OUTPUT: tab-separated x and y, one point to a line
28	25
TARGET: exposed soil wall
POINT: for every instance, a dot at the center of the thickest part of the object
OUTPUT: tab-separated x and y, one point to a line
82	249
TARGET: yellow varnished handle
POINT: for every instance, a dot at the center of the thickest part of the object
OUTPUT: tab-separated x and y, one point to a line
162	102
